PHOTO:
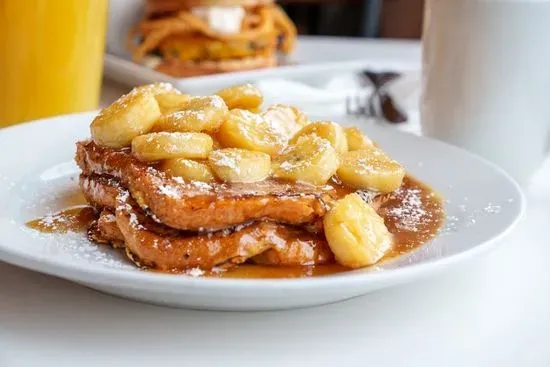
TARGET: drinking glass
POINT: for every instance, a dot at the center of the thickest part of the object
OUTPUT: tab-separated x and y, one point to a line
51	57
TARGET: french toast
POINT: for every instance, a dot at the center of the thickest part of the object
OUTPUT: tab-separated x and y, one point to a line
106	172
156	246
195	206
211	182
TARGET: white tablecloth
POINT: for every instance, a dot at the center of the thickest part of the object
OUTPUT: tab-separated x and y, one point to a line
494	311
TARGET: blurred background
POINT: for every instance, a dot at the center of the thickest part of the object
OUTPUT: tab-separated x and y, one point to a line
357	18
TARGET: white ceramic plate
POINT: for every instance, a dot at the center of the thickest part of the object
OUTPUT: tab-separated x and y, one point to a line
37	176
313	58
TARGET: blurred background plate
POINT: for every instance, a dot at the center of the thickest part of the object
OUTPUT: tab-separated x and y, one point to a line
315	57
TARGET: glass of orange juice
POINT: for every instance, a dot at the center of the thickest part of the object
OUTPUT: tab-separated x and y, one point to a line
51	57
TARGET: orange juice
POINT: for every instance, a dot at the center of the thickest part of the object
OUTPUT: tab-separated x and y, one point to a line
51	57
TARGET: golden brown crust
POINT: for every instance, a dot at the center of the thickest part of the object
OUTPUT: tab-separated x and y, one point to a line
178	68
108	228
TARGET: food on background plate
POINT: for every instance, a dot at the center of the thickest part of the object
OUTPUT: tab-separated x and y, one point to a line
186	38
244	190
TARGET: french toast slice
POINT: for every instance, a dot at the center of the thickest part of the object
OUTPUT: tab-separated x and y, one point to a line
286	245
152	245
196	206
226	248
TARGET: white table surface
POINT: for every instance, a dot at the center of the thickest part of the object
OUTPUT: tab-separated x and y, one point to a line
493	311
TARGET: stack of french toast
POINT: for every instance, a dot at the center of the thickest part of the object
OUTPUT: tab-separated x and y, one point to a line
211	182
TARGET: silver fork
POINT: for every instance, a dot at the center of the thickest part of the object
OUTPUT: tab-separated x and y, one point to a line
360	104
377	103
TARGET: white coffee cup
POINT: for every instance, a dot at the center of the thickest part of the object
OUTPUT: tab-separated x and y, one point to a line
486	79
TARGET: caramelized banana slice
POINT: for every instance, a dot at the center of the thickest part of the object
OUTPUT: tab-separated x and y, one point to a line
287	119
129	116
196	114
370	168
164	145
328	130
246	130
171	102
311	159
240	165
188	169
244	96
355	233
356	139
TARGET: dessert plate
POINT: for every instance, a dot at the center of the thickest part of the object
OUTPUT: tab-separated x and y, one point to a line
38	176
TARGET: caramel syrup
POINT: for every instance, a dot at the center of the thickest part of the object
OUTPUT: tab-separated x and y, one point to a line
76	219
413	214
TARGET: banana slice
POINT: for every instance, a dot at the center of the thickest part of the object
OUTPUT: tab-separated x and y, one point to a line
196	114
370	168
356	139
287	119
188	169
311	159
328	130
244	96
240	165
355	233
164	145
171	102
131	115
247	130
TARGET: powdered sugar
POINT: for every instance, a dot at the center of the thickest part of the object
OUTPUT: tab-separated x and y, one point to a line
178	180
170	191
52	220
190	115
201	185
214	247
194	272
308	252
411	213
218	270
134	222
247	240
286	166
228	159
77	247
276	240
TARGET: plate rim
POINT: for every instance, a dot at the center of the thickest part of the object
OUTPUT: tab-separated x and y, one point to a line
143	279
